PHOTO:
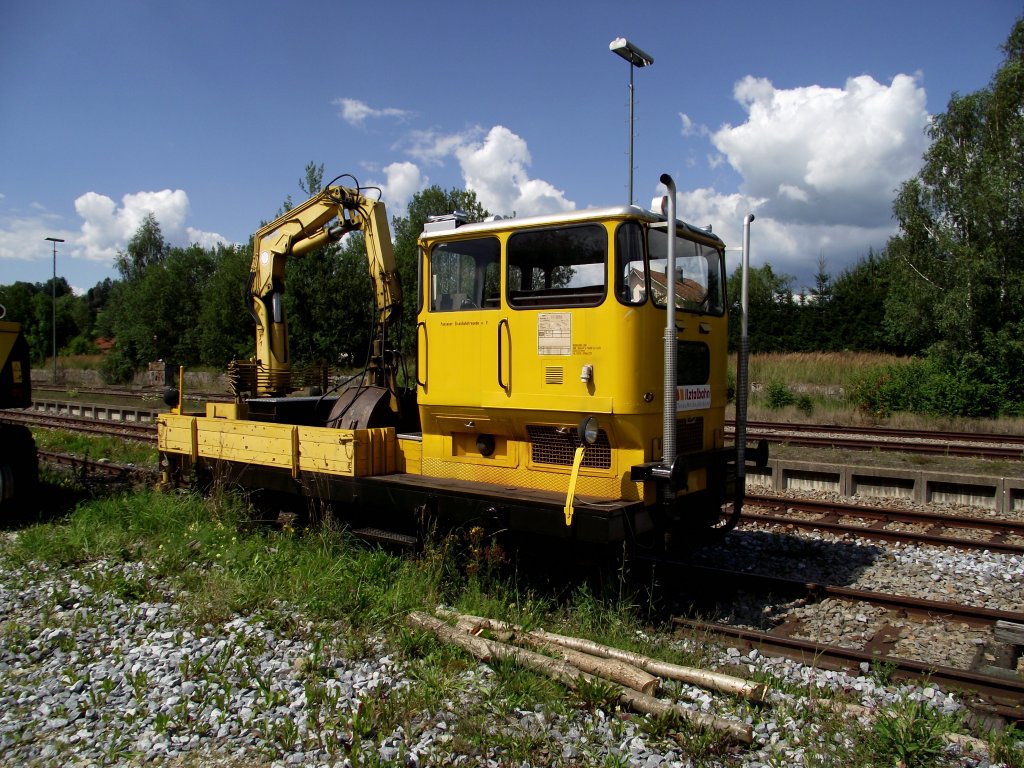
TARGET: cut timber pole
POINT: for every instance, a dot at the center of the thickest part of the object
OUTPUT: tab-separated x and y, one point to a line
567	674
716	681
611	669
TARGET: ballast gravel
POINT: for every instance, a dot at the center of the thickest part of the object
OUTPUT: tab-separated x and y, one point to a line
96	672
90	678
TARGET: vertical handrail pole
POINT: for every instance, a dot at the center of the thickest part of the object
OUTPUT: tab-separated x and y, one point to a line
668	440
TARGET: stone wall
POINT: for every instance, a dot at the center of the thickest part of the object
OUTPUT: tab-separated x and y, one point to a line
154	378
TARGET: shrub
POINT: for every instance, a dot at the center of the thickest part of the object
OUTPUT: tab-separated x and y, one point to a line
778	396
805	405
116	368
933	387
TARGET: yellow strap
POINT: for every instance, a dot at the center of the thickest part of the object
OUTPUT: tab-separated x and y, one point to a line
194	435
576	461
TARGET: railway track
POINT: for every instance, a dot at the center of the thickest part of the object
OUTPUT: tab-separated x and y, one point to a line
727	581
884	523
992	685
922	442
145	432
991	694
122	393
138	424
92	468
996	690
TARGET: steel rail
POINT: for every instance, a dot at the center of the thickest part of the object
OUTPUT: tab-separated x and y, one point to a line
1003	696
924	442
88	466
921	442
832	512
133	430
778	586
879	431
156	392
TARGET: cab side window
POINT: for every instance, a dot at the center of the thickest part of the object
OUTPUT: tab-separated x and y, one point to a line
630	269
465	274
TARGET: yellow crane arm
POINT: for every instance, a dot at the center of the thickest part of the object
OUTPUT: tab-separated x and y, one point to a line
322	219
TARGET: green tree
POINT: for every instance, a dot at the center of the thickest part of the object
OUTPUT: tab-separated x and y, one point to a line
19	299
770	305
147	246
313	180
329	301
154	311
856	310
958	263
89	314
225	327
46	309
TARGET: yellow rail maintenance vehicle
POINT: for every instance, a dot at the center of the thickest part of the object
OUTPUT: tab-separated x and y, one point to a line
19	468
556	390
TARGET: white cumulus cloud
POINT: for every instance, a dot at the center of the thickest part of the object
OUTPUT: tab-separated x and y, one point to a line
820	168
403	181
107	227
23	237
434	148
494	164
355	112
496	170
822	156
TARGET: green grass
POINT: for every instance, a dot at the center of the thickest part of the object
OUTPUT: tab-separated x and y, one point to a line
228	563
822	370
815	387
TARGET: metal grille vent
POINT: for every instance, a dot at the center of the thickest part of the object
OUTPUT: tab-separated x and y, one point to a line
690	435
693	363
557	445
553	374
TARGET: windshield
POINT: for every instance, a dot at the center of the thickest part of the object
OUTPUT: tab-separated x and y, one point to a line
557	267
698	281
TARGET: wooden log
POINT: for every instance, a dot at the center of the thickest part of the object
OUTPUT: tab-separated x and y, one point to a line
611	669
569	675
717	681
475	645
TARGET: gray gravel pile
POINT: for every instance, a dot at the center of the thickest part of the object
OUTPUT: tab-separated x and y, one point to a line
96	676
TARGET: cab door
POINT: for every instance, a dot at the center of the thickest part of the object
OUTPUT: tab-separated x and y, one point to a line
458	329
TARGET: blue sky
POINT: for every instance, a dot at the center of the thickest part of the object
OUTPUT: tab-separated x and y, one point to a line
808	114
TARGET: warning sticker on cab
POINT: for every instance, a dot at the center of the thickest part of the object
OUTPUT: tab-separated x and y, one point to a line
692	398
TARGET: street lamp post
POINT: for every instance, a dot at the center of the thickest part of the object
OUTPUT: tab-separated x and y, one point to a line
636	58
53	287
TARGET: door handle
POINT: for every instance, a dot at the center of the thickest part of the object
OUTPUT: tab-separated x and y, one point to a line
501	379
421	357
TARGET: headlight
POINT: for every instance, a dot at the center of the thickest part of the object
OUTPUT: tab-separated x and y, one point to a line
485	444
589	429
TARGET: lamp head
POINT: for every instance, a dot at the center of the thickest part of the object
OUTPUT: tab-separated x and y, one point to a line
638	58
